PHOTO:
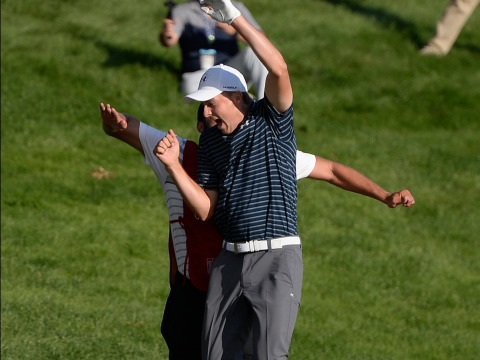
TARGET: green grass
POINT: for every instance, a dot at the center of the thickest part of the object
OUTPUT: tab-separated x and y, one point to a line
84	263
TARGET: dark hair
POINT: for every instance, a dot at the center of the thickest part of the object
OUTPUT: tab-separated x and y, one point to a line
246	98
200	116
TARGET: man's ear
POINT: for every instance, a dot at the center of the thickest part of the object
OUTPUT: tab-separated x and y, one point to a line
237	98
200	127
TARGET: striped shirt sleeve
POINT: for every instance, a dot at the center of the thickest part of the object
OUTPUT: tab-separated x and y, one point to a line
207	176
279	123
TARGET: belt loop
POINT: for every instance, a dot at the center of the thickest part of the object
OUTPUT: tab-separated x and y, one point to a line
269	243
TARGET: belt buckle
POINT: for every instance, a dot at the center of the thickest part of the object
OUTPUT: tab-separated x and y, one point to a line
238	248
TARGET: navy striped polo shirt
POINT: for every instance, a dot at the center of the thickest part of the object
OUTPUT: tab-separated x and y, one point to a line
254	171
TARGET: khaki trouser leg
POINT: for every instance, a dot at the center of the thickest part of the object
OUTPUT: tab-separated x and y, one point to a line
450	25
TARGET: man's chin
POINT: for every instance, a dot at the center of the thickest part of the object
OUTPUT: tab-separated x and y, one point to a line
221	126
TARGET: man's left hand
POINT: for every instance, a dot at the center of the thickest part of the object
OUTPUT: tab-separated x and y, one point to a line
403	197
113	118
220	10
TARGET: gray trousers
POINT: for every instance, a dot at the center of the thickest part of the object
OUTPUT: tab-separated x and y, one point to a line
258	292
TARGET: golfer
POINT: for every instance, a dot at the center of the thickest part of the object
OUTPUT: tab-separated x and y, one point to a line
246	173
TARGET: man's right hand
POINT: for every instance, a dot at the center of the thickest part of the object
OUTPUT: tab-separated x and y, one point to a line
168	150
168	37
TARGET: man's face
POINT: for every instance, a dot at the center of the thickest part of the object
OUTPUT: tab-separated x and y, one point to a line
221	111
209	122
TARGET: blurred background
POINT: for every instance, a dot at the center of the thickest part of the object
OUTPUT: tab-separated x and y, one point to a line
84	225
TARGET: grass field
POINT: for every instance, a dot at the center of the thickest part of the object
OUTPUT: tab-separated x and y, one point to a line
84	263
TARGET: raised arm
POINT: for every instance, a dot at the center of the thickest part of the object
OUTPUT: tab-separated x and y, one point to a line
121	126
277	86
201	202
351	180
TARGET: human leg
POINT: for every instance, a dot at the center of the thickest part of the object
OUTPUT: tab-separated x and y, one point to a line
227	313
248	348
183	320
251	68
275	279
449	26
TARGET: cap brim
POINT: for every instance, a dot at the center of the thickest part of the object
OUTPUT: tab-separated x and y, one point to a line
204	94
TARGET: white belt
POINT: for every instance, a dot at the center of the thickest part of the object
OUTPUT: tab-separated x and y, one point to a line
260	245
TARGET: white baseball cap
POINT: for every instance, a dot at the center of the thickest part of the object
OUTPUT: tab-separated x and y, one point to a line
216	80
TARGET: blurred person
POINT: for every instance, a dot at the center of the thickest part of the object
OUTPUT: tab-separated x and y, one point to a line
183	315
449	27
205	42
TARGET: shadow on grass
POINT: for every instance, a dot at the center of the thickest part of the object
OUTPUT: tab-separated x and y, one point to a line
468	47
386	19
119	56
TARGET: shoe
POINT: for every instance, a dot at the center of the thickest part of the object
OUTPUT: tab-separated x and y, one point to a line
431	49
